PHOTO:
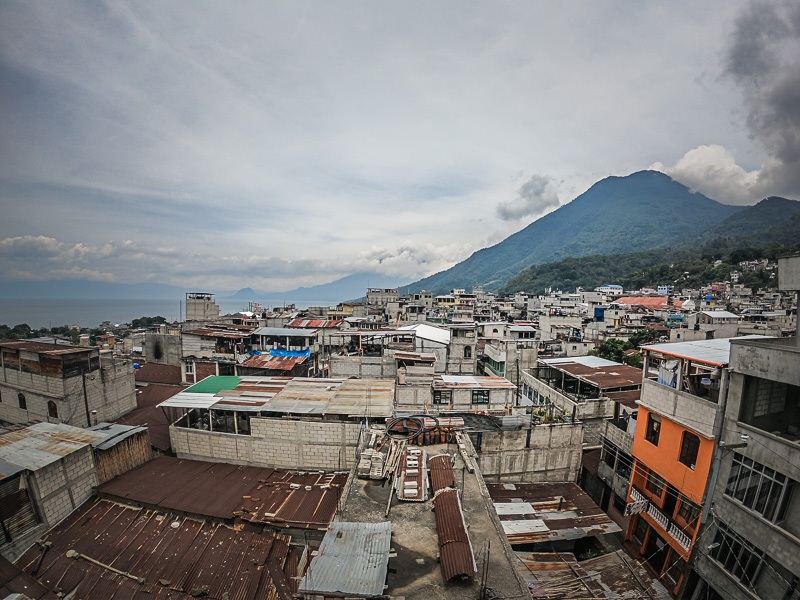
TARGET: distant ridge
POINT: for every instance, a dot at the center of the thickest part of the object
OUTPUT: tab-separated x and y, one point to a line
638	212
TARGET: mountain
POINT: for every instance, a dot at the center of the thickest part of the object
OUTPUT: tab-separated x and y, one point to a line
769	213
641	211
351	286
768	229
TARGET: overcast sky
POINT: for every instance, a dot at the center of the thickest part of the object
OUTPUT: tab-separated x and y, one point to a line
278	144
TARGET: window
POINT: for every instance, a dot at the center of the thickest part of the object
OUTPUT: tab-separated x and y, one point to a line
609	453
480	396
736	556
689	512
189	368
689	448
653	428
655	484
52	409
759	488
442	396
23	404
467	351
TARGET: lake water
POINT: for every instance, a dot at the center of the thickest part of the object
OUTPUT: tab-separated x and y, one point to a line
54	312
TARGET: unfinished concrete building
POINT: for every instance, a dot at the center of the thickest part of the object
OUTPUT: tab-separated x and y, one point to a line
63	384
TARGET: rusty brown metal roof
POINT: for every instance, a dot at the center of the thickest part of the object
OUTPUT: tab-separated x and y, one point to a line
441	468
273	497
14	581
627	398
157	373
455	549
37	445
314	323
176	557
561	511
277	363
605	377
43	348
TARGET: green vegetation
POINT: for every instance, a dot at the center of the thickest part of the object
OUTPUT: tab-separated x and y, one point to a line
683	268
614	348
24	332
142	322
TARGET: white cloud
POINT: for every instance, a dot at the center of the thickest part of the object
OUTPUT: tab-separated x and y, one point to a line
712	170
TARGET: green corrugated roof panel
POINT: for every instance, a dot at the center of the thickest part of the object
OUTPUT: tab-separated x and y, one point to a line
215	384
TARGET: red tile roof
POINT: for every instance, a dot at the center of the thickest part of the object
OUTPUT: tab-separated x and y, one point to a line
651	302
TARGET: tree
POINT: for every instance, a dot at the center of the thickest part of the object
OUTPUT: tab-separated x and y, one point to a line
611	349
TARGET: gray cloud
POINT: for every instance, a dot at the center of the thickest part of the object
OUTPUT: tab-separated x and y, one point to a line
764	60
536	197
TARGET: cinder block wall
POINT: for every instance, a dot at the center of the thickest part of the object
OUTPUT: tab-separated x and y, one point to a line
60	487
278	443
554	454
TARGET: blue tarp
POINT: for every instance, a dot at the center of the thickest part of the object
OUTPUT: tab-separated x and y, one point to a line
306	352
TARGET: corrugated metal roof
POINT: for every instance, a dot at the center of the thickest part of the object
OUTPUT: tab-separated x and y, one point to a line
588	361
217	333
16	585
455	549
314	323
428	332
715	352
559	576
561	511
49	349
113	434
295	395
352	559
174	555
284	332
604	377
260	495
40	444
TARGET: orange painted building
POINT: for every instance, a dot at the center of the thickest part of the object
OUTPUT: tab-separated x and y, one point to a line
672	452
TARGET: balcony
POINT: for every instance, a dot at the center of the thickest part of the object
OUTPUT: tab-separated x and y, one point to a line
681	407
670	527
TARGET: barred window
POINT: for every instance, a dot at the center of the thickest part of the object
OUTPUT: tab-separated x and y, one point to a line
442	396
759	488
738	557
480	396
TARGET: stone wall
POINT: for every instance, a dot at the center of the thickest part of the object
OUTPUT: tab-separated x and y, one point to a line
277	443
553	454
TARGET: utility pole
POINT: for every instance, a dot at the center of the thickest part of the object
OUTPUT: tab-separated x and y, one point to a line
519	387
